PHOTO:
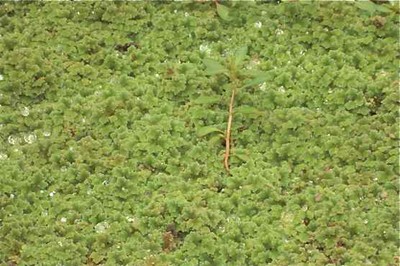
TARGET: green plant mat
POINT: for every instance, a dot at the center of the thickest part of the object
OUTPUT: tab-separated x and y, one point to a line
112	133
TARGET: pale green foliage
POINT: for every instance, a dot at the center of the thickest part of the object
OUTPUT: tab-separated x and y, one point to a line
314	177
213	67
207	130
223	12
371	7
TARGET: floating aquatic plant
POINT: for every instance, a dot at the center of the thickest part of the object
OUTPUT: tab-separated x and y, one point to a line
118	94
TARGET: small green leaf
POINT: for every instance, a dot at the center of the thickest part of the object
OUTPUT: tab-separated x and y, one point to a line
207	130
240	54
96	257
241	155
371	7
254	73
206	100
366	6
383	9
187	67
216	140
255	81
213	67
223	12
248	110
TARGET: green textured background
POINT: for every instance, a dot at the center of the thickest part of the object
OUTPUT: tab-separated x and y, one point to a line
108	159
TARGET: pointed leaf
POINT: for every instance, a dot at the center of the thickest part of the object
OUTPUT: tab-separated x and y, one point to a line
241	155
188	67
213	67
372	7
240	54
365	5
206	100
216	140
255	81
223	12
248	110
253	73
207	130
383	9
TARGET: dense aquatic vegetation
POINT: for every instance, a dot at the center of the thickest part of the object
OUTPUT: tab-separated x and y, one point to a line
110	152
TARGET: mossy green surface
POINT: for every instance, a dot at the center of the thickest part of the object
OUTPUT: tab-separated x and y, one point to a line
100	152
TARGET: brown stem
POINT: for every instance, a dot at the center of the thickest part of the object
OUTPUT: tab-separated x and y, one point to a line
228	132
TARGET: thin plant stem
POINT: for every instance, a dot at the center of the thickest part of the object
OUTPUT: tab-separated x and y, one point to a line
228	132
